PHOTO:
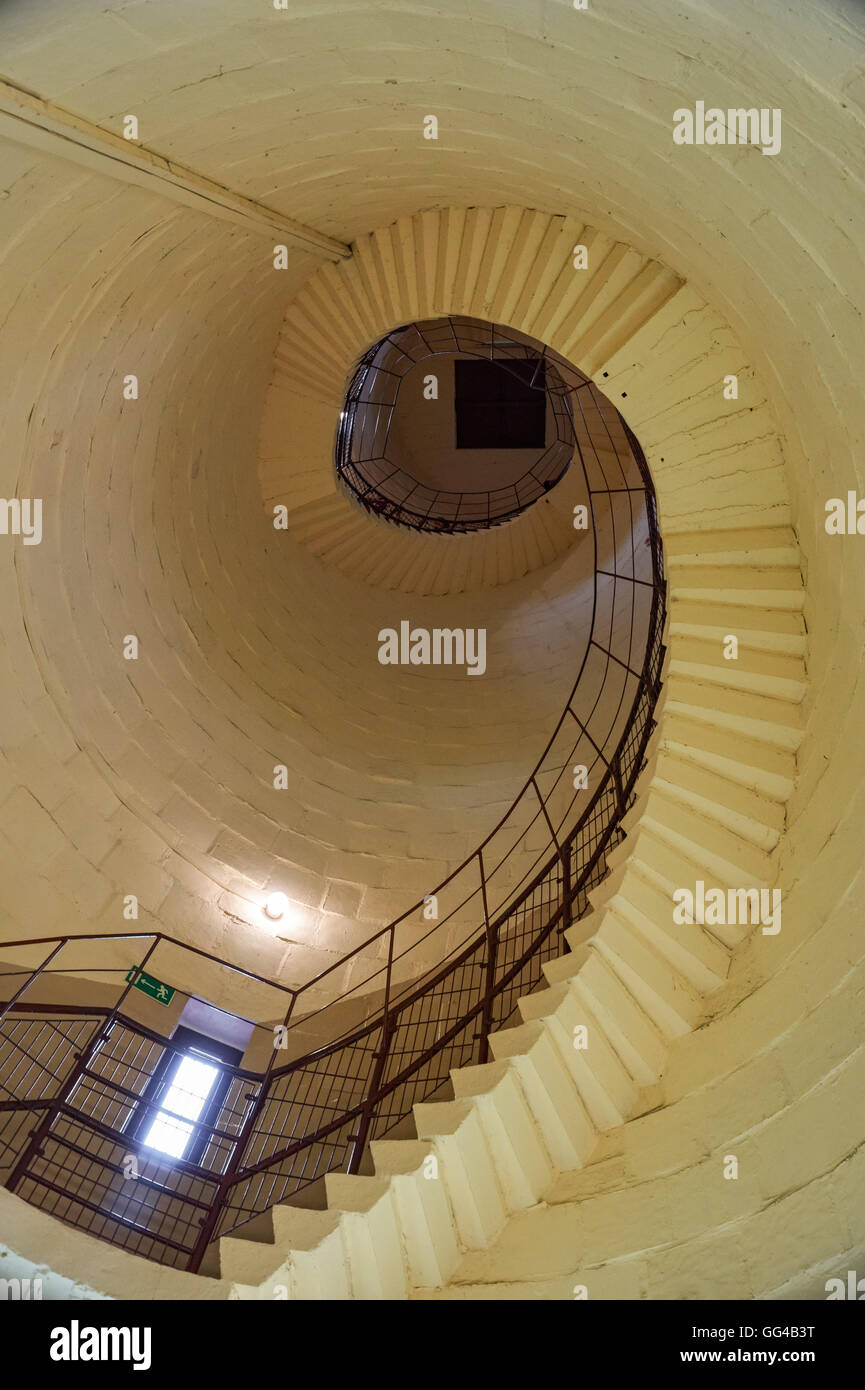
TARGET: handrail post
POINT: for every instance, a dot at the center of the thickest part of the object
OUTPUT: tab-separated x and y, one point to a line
567	893
617	779
135	972
564	859
228	1178
380	1056
490	975
359	1138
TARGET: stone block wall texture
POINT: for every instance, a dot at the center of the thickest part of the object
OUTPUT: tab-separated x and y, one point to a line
158	771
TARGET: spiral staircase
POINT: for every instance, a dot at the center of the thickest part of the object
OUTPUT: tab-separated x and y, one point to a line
586	1155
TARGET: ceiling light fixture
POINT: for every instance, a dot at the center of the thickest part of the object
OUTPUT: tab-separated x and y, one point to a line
276	906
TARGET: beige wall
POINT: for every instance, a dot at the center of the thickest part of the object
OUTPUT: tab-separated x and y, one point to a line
552	108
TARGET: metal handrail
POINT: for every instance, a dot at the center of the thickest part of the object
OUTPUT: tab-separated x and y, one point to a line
284	1127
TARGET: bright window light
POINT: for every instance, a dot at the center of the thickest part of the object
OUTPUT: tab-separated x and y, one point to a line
187	1094
168	1135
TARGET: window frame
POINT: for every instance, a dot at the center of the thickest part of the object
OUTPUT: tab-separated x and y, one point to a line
184	1043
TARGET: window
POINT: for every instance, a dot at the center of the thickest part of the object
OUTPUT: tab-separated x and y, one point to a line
500	407
189	1085
170	1131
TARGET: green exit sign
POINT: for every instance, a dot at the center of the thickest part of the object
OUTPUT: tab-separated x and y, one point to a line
163	994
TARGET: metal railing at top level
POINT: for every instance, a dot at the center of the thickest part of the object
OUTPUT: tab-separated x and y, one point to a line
365	461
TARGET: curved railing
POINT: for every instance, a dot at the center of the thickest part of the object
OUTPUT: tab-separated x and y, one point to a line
364	456
77	1079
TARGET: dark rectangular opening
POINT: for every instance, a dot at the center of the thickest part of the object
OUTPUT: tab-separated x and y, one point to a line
498	407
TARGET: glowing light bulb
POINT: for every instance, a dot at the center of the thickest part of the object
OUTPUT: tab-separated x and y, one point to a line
276	906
